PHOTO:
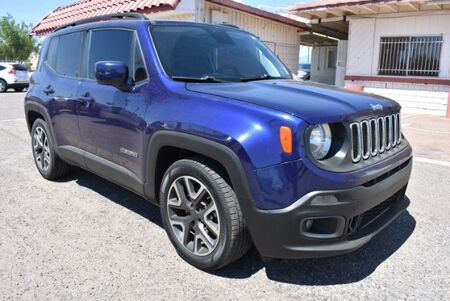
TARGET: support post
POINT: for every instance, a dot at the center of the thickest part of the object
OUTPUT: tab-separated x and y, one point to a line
448	105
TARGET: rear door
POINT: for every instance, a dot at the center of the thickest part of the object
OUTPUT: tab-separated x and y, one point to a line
62	69
112	124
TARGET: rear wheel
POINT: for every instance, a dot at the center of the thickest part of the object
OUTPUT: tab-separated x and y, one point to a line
49	165
202	216
3	85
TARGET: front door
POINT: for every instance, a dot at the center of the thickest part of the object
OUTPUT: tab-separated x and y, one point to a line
111	121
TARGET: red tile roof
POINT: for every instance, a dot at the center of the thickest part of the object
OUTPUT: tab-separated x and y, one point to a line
90	8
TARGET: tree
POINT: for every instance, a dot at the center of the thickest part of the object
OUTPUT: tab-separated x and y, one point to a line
16	43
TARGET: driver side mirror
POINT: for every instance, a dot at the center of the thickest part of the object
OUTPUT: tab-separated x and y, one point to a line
112	73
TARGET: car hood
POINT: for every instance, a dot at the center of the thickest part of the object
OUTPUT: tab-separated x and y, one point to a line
312	102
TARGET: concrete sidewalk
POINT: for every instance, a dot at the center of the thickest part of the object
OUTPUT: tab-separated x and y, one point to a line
428	135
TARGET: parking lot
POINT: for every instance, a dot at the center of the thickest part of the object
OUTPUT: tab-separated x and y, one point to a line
85	238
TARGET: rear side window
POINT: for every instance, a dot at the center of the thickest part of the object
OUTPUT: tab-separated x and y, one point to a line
20	67
2	68
116	45
64	54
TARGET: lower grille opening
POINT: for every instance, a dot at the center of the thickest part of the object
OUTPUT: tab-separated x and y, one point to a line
358	222
387	175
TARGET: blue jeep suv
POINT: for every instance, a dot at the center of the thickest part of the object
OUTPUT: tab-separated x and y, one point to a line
207	123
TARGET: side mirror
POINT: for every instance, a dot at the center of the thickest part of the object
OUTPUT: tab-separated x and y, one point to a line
114	74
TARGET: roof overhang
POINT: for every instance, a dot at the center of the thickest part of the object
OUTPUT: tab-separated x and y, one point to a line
329	18
328	10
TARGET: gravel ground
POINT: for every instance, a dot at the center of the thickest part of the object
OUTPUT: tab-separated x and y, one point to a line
85	238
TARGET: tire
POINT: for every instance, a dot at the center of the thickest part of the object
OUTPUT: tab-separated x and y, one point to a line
3	86
18	89
49	165
217	233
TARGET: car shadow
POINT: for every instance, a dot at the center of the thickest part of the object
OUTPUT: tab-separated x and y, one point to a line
342	269
115	193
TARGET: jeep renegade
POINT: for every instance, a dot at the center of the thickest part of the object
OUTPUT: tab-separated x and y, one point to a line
207	123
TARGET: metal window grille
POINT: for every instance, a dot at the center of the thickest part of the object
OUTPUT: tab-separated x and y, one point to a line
410	56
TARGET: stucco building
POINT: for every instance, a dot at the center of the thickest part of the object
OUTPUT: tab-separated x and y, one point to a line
399	49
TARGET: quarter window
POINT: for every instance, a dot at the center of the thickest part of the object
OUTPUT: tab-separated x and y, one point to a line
139	70
410	56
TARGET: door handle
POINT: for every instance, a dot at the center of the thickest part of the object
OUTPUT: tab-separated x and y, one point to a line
48	90
86	99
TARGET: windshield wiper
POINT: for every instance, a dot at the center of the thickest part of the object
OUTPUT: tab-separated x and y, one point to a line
261	77
203	79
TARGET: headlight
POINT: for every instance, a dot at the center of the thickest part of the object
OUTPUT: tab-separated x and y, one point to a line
320	141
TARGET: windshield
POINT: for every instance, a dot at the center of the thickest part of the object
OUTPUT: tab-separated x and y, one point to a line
214	54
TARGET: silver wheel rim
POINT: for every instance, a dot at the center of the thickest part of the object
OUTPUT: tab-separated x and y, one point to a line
41	149
193	215
2	86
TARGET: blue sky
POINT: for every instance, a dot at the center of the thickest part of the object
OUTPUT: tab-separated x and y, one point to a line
277	6
31	11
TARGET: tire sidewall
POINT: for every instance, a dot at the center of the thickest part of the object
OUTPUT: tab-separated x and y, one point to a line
192	168
39	122
4	87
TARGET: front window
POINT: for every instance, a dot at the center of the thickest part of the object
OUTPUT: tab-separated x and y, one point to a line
410	56
117	45
214	53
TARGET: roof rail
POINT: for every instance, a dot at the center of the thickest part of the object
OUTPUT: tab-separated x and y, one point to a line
229	25
136	16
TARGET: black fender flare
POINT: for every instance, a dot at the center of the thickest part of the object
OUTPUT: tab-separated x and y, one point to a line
38	108
202	146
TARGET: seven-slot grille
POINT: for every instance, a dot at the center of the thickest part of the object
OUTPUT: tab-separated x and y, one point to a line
375	136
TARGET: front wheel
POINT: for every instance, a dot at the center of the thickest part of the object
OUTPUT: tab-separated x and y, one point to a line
202	216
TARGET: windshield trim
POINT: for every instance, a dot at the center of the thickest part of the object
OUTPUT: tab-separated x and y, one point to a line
164	72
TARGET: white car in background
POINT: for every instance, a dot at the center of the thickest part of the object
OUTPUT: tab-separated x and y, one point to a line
14	76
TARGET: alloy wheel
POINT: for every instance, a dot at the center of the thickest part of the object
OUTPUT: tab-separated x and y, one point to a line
41	149
193	215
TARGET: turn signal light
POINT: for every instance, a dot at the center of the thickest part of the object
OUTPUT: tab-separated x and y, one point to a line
286	139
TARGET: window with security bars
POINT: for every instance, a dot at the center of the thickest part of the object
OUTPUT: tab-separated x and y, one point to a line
410	56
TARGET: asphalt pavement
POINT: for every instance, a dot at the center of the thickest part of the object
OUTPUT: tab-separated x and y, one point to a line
82	237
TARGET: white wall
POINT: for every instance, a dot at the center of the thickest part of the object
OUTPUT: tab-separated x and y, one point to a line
365	33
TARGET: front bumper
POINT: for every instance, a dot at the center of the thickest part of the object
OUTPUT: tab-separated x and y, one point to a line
357	214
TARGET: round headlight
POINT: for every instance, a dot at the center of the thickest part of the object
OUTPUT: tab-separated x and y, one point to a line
320	140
